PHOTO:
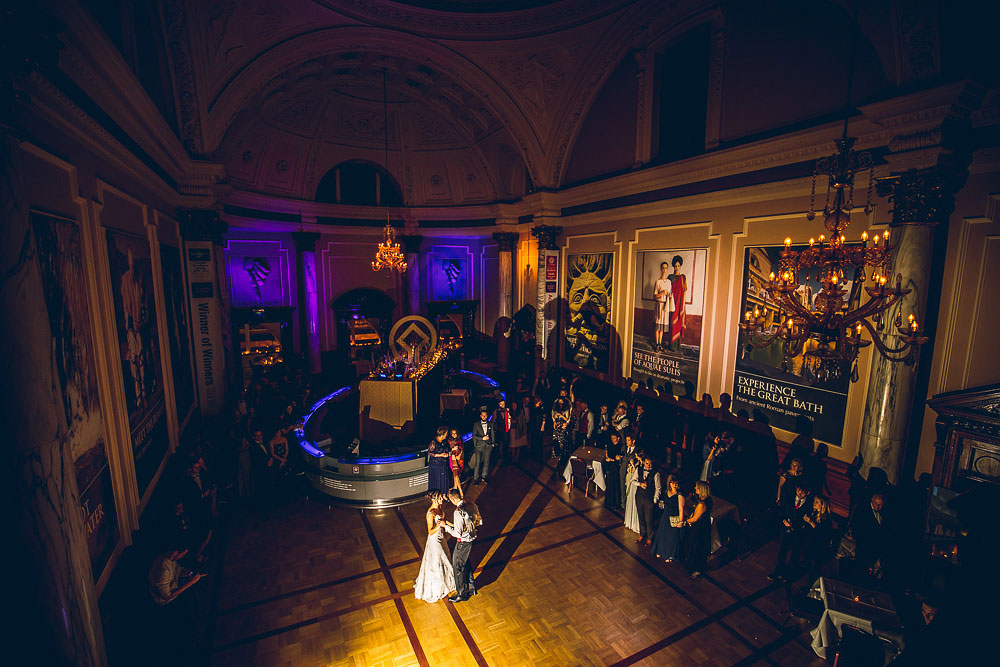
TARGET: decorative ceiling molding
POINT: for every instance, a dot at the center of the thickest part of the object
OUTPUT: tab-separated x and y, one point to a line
543	20
274	63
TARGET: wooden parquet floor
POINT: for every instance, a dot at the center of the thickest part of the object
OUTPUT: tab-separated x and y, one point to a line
561	582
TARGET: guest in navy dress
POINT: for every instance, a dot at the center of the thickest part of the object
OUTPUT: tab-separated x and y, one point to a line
439	477
698	545
668	536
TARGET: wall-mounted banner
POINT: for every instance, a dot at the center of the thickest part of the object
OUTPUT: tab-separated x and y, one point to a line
668	318
450	278
588	299
58	244
139	349
206	327
180	332
787	388
545	304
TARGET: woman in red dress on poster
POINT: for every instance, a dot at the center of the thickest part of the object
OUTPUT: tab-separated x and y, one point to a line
678	290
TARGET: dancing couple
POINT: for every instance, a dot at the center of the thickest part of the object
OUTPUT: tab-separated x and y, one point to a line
440	573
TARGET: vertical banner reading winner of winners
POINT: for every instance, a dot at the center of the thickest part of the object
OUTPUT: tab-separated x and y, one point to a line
786	389
206	327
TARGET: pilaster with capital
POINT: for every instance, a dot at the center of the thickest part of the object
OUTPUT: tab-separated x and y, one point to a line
506	245
305	254
922	200
411	246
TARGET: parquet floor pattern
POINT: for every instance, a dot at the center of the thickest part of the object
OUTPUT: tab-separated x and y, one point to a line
561	583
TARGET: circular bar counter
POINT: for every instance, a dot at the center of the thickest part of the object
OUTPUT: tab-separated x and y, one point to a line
396	476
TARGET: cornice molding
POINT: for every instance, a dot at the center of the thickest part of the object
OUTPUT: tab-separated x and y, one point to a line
547	19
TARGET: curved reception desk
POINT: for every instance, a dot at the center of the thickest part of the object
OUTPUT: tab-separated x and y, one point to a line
383	475
395	478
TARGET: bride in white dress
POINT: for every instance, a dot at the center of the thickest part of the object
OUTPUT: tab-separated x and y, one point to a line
436	580
631	483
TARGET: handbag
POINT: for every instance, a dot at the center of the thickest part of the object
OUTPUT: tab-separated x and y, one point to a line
676	521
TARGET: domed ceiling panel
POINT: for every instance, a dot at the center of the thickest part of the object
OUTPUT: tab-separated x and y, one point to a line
280	166
246	157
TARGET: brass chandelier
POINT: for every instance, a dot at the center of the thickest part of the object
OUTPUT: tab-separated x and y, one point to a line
388	256
828	330
835	325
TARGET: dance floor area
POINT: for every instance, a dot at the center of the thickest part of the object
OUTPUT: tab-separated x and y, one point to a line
561	582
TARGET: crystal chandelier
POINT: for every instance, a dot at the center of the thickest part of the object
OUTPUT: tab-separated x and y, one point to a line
389	256
833	323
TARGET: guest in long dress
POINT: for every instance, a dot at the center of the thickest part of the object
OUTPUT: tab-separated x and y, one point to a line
699	536
818	537
631	486
439	462
457	460
612	481
668	537
519	429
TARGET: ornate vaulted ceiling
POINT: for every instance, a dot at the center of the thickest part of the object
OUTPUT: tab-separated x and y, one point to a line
478	102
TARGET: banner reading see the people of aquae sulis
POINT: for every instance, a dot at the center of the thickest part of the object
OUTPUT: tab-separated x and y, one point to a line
668	316
588	299
786	388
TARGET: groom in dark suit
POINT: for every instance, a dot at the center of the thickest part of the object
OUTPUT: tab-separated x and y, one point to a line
483	440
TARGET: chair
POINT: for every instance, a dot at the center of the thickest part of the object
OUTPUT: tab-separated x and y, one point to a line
579	468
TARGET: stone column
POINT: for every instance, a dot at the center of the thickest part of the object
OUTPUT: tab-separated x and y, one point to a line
507	243
922	200
305	252
547	315
411	246
48	579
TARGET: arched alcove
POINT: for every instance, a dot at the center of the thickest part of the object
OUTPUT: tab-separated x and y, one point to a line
358	183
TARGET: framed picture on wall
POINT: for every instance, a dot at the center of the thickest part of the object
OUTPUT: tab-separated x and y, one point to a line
668	318
588	333
450	278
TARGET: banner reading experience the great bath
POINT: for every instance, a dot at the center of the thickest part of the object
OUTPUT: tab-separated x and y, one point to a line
668	315
785	389
588	300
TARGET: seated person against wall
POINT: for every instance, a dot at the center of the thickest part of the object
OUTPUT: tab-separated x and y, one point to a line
167	579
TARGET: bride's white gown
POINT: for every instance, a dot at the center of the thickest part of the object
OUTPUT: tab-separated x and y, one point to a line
437	577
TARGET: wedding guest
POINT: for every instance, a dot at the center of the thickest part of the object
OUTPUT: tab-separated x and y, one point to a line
537	425
457	460
619	420
698	545
818	537
786	483
632	465
612	483
439	475
626	459
802	446
815	469
278	450
668	536
792	512
519	430
603	424
482	440
647	496
584	425
167	579
639	424
244	469
501	427
871	535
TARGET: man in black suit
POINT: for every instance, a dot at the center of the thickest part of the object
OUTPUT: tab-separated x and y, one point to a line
626	454
612	480
647	496
792	511
501	426
483	441
870	531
